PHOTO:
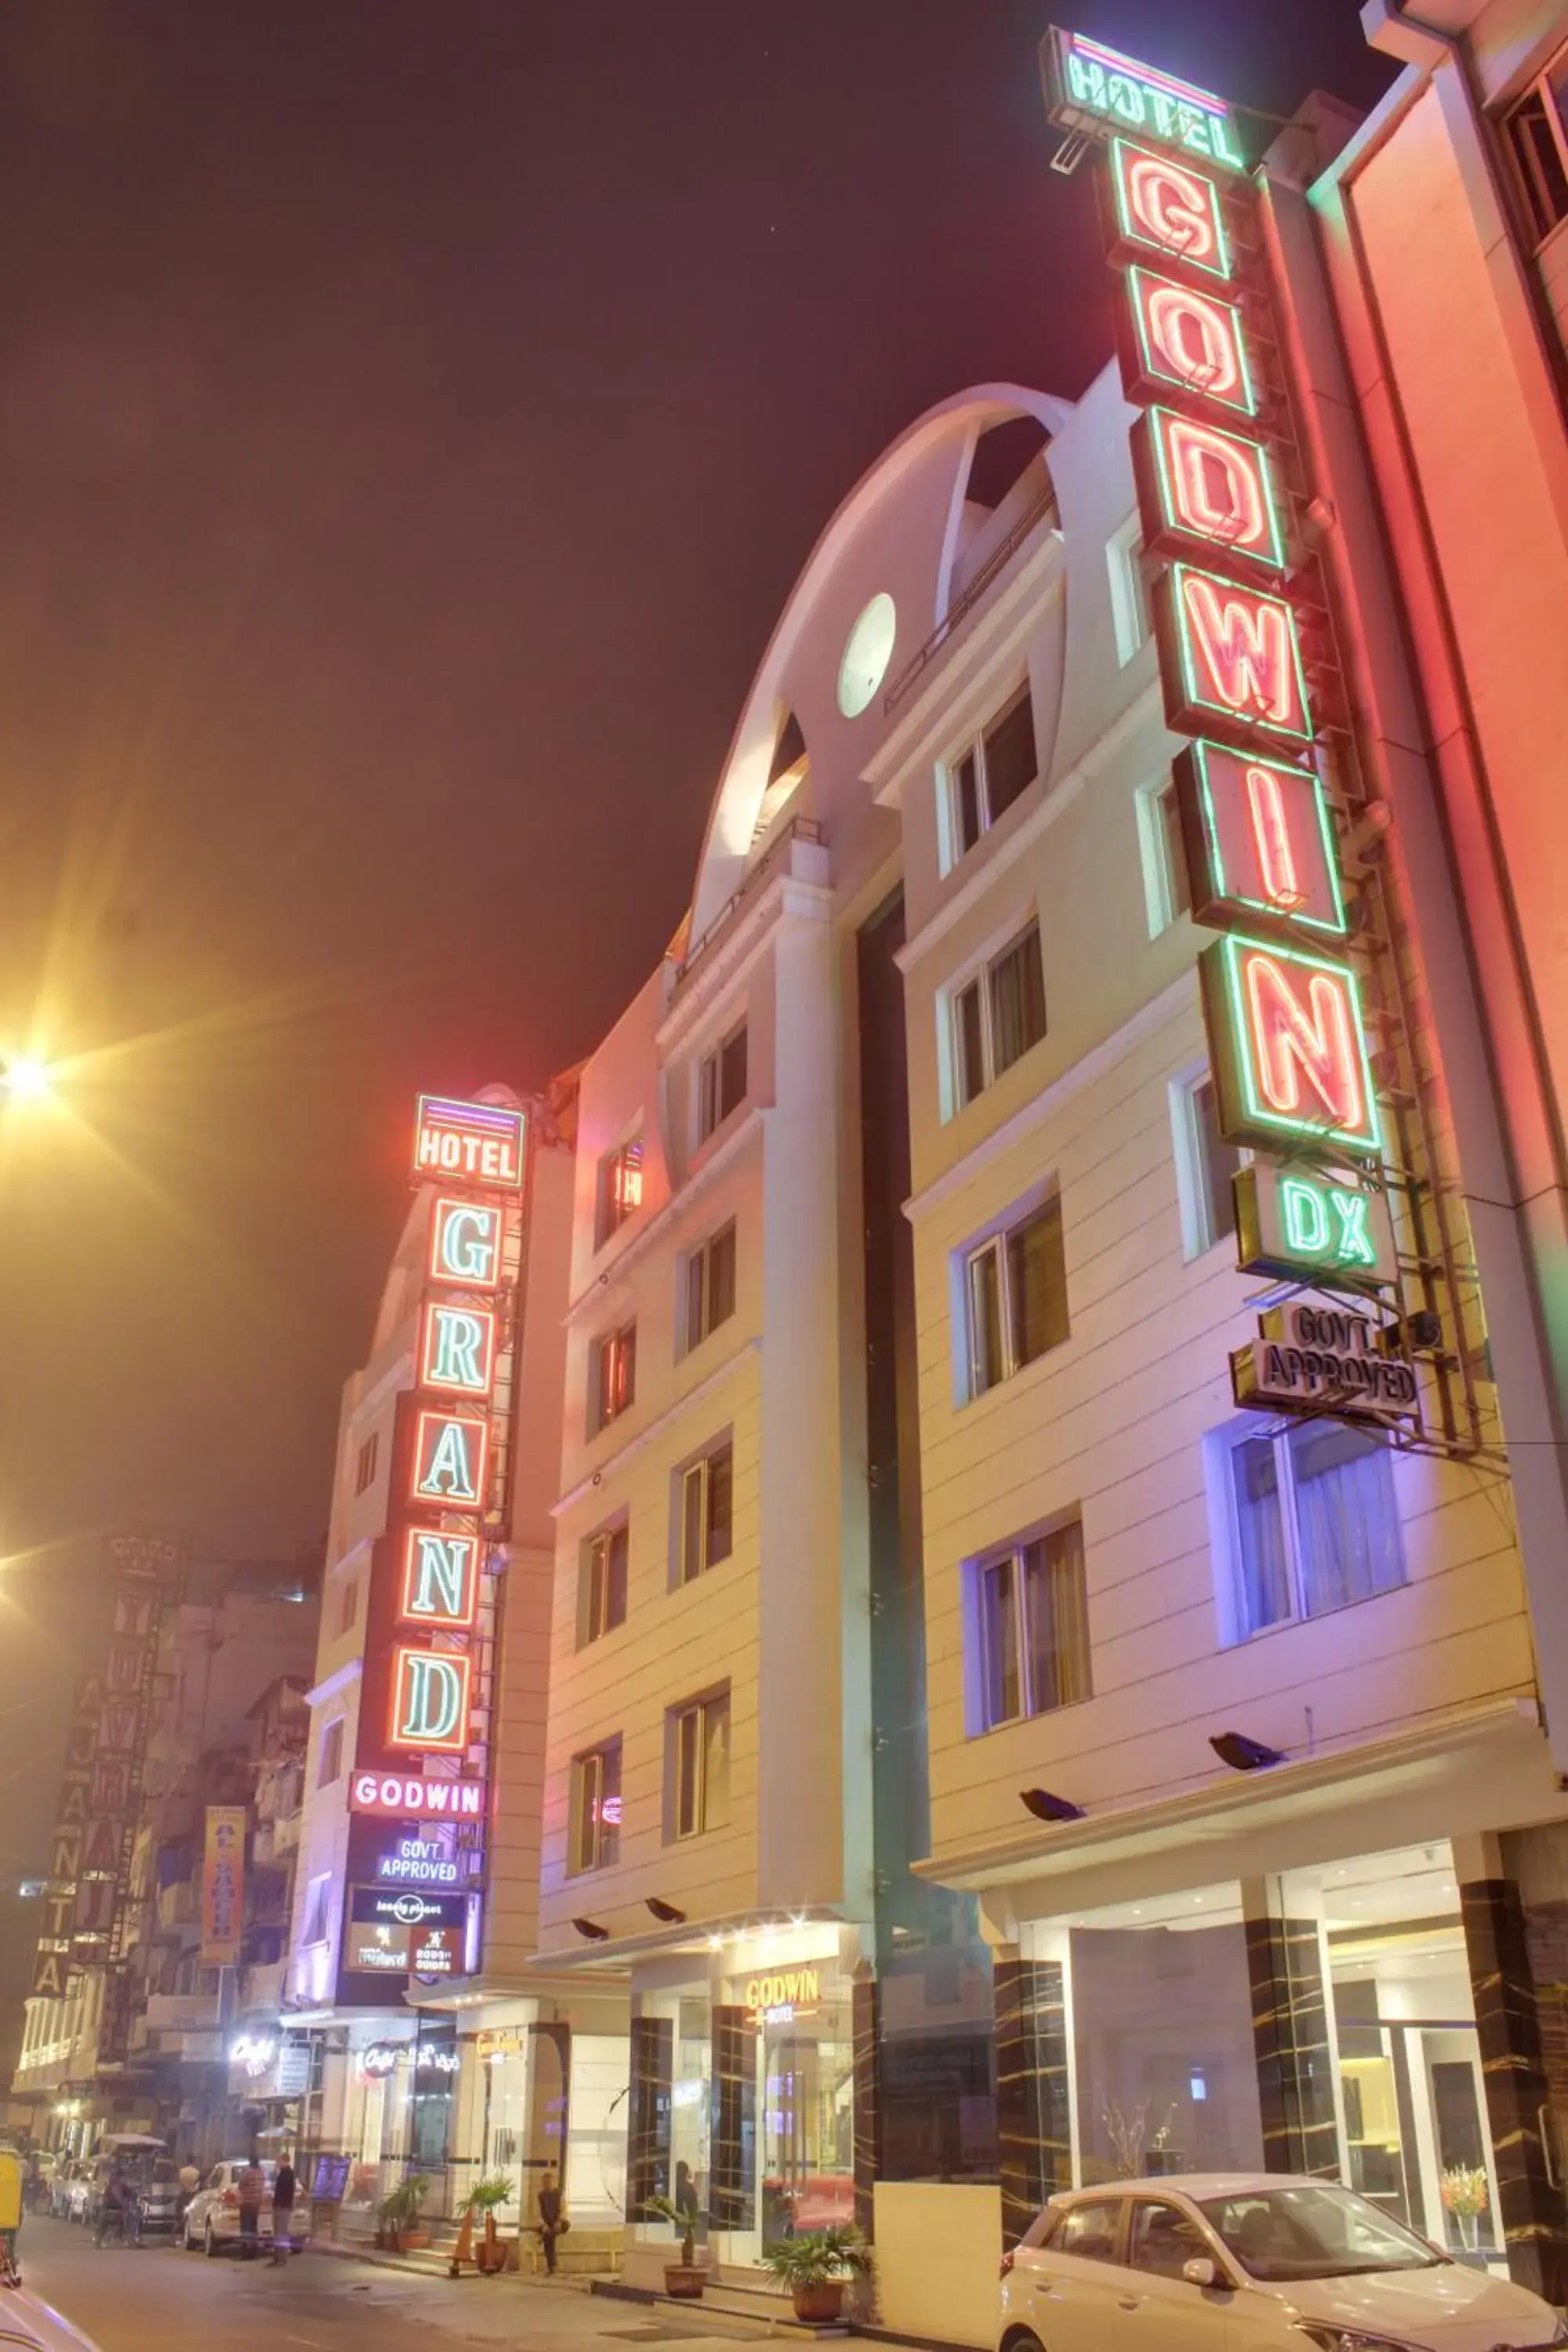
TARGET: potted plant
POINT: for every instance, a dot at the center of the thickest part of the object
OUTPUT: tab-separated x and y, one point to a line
398	2215
479	2205
682	2279
816	2266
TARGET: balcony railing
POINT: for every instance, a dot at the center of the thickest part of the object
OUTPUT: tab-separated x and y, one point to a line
182	2013
963	604
805	830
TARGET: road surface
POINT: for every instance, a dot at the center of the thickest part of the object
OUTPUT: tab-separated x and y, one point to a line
154	2299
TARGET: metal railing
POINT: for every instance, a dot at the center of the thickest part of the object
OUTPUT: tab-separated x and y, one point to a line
994	564
800	828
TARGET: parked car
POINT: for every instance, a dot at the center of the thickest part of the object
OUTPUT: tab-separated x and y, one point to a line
158	2197
212	2217
1249	2262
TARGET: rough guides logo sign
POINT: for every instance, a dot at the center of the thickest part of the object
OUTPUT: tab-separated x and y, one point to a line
1282	998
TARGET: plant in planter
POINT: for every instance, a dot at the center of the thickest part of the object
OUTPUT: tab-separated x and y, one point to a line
399	2218
489	2255
815	2267
682	2278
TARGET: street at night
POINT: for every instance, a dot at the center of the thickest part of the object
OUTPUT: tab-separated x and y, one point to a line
784	1175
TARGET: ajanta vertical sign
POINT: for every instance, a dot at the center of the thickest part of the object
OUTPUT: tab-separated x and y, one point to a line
1282	999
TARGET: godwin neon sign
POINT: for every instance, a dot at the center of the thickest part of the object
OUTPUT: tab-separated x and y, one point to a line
1259	840
1164	209
1202	488
1291	1058
1180	343
1230	660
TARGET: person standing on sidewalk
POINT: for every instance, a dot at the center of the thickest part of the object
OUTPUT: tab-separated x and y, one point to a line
250	2188
552	2221
283	2186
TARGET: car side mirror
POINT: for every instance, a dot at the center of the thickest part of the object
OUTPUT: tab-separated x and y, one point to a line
1202	2271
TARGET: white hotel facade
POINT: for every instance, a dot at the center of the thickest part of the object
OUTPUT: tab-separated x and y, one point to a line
902	1480
910	1555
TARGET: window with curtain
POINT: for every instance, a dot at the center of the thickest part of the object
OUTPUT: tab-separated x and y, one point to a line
997	1016
1314	1523
602	1604
1033	1621
986	780
700	1753
595	1825
1017	1296
711	1285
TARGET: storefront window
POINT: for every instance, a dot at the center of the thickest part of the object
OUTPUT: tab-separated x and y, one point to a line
1411	2093
1149	2005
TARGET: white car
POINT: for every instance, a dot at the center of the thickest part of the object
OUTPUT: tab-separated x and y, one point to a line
212	2217
1249	2262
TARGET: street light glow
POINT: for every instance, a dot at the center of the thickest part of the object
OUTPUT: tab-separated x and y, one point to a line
29	1078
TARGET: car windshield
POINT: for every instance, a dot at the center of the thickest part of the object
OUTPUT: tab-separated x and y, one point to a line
1313	2229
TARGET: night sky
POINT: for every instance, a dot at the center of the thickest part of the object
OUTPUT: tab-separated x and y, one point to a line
413	415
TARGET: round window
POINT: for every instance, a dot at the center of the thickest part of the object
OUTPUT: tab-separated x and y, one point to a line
866	655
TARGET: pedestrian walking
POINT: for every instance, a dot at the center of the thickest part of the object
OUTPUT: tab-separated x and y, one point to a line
552	2221
112	2205
250	2188
283	2188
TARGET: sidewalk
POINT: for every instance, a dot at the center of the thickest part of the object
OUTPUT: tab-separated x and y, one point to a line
543	2314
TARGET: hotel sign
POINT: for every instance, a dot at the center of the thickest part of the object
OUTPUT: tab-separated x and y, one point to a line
1092	89
1282	999
476	1143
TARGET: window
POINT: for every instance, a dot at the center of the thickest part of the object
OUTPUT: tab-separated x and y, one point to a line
615	1374
596	1809
365	1462
999	1015
1129	597
1536	137
700	1742
1017	1296
348	1606
331	1753
1090	2232
707	1505
1165	2240
987	778
1313	1522
711	1285
1205	1163
316	1901
602	1584
1033	1627
721	1083
1167	886
620	1187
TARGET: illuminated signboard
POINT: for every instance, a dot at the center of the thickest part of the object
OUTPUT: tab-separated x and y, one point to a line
410	1798
1293	1221
1290	1045
419	1861
430	1701
1182	344
1259	842
1093	88
1230	660
480	1143
1324	1359
466	1243
451	1459
1206	490
1165	212
458	1347
440	1580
